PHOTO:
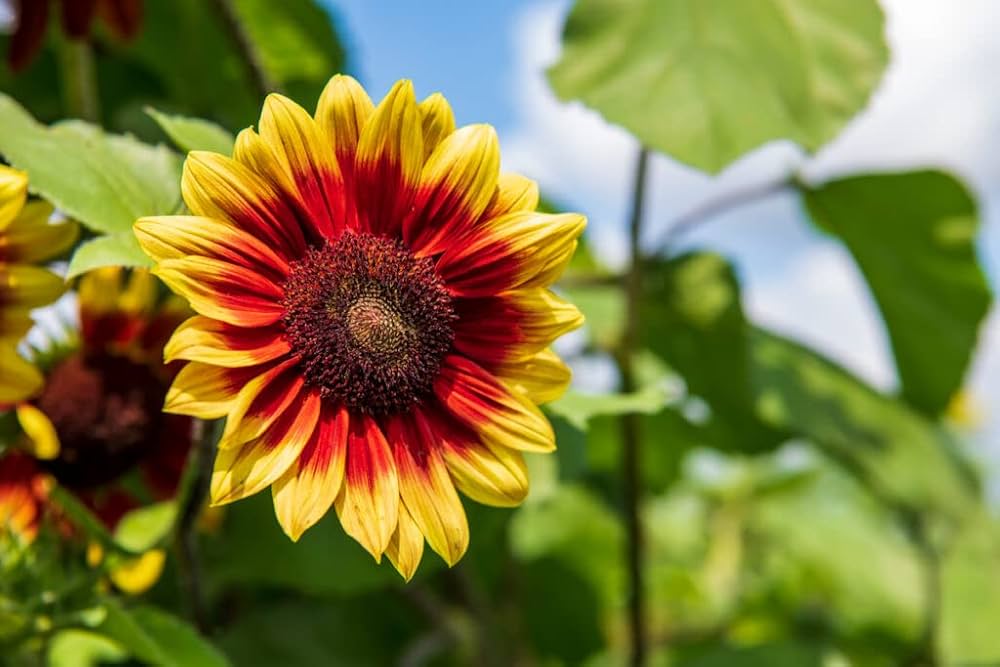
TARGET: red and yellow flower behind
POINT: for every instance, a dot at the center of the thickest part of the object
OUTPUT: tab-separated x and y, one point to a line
97	417
373	316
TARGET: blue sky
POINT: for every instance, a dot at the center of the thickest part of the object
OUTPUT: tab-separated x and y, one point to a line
463	49
937	106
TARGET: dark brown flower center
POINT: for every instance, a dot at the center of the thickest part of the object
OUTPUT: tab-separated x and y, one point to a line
107	413
369	321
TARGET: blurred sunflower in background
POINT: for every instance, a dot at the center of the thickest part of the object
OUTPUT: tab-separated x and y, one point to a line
96	425
374	318
97	417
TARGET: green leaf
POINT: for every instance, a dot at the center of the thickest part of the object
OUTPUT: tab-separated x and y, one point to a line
156	637
913	236
103	180
297	43
898	452
194	134
578	408
146	527
79	648
693	319
776	389
112	250
970	598
708	80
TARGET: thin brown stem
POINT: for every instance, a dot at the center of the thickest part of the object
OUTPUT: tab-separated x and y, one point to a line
630	427
79	80
256	72
195	493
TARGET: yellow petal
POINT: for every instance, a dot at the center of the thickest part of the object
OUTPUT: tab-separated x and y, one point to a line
389	158
138	575
176	236
30	238
514	193
456	185
426	488
43	441
205	391
437	121
28	286
517	250
542	377
13	193
343	109
406	547
490	475
308	160
245	470
18	378
502	418
307	490
368	503
213	342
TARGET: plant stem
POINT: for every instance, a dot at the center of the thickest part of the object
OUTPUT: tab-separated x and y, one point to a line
257	73
630	427
196	493
79	80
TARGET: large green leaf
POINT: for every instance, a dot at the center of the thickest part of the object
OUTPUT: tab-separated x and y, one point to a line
796	392
693	318
913	234
707	80
970	597
900	453
103	180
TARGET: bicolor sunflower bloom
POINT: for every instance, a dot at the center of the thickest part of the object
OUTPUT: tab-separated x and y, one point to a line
96	425
97	417
26	239
374	316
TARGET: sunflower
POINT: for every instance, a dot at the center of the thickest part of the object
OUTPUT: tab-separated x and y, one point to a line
374	317
97	417
25	238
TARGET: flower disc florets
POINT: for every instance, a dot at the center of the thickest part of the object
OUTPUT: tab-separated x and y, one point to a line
369	321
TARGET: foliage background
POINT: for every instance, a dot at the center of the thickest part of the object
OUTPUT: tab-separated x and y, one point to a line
813	461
